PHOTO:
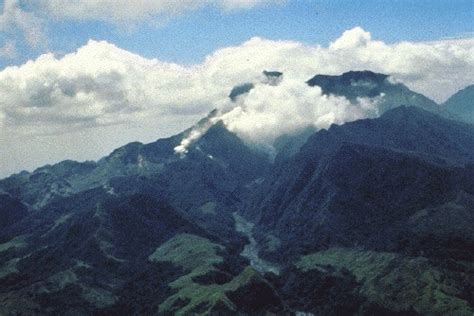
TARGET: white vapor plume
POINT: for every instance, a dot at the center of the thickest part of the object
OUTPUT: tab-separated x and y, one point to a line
194	134
182	148
270	110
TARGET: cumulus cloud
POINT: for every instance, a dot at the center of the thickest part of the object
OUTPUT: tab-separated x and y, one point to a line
97	85
119	11
269	111
354	38
103	85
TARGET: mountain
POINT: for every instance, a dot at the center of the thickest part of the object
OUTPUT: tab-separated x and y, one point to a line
207	183
270	77
378	171
461	105
288	145
372	217
96	253
81	236
11	211
370	204
367	84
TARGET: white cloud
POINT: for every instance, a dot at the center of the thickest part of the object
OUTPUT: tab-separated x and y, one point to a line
353	38
15	20
272	109
102	85
269	111
31	24
244	4
8	50
98	85
120	11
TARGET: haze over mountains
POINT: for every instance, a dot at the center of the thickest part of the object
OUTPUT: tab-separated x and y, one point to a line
459	104
367	216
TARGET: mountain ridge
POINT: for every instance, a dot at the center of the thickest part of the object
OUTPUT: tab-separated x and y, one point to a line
368	217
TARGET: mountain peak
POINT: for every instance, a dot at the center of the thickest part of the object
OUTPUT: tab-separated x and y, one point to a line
364	75
354	85
240	90
354	78
271	77
269	74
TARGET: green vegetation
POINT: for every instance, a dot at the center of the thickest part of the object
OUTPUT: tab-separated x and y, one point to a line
8	268
58	282
272	243
98	297
365	265
61	220
197	256
190	252
17	242
395	282
208	208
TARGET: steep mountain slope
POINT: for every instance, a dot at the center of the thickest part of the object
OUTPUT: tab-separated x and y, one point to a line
11	211
358	184
287	146
374	218
461	105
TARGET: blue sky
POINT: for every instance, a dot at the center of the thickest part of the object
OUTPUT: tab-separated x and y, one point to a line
190	36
